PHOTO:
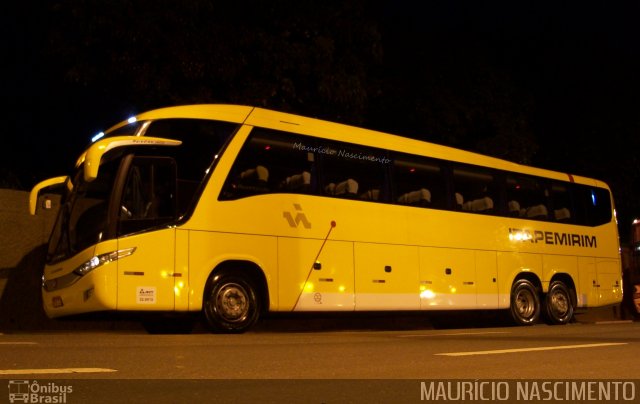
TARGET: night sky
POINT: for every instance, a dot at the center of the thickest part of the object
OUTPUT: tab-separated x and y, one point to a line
552	84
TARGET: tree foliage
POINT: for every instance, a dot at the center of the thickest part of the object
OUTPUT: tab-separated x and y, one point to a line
328	63
152	53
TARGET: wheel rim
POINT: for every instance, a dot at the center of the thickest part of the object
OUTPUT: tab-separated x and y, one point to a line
525	304
559	304
232	302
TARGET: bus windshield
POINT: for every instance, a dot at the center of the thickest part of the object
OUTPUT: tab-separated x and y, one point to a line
91	211
82	217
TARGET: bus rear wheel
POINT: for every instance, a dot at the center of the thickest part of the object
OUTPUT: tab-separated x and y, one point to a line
525	303
558	307
230	304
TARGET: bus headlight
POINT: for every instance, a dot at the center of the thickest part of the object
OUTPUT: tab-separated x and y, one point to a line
92	264
72	277
102	259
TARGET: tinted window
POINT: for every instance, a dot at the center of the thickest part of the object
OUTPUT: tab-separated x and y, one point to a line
419	181
562	202
272	161
351	171
527	197
148	198
202	141
475	189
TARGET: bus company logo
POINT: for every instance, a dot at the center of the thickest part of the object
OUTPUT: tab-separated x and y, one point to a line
299	217
553	238
25	391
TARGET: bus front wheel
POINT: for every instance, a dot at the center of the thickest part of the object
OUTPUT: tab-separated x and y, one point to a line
230	304
525	303
558	308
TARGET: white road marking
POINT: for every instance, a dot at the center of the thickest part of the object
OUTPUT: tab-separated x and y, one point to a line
53	371
454	334
19	343
542	348
614	322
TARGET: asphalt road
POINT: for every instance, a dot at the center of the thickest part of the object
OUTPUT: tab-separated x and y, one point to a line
280	364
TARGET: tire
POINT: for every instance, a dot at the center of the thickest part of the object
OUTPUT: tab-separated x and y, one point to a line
525	303
558	306
230	304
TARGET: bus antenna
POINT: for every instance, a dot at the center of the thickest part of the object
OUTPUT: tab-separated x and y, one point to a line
333	224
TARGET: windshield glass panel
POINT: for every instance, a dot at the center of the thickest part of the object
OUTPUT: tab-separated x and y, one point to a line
82	220
85	216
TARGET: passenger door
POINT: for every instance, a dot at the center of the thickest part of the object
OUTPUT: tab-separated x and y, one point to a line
146	276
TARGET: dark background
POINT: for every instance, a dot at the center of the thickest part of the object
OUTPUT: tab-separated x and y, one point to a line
550	84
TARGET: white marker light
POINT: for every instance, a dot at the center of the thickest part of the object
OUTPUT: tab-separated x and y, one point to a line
98	136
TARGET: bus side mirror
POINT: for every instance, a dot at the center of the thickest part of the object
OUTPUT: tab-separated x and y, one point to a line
35	191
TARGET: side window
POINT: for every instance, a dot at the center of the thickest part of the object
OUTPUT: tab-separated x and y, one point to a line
202	141
475	190
418	181
601	206
148	197
292	163
562	206
270	162
593	205
356	172
527	197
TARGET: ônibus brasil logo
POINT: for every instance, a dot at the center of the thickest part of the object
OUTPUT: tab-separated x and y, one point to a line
26	391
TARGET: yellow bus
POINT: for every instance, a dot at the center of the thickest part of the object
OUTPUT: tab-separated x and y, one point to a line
234	212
